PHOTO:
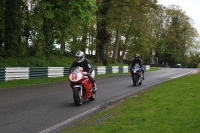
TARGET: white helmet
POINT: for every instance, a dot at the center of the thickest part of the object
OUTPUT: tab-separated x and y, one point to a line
79	56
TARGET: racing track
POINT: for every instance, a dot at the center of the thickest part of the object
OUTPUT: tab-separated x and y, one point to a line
49	108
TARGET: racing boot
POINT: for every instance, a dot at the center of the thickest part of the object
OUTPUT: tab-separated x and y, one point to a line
143	76
94	87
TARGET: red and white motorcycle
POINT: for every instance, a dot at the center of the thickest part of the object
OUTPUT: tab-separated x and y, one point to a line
81	86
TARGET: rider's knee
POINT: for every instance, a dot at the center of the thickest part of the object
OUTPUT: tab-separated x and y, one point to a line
93	80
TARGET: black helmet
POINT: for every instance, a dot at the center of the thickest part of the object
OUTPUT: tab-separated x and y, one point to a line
79	56
137	56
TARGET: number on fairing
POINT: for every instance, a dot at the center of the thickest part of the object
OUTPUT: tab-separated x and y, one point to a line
74	76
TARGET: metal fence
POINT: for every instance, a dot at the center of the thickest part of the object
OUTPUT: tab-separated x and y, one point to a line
15	73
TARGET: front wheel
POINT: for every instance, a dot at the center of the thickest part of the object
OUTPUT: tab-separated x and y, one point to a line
134	80
78	97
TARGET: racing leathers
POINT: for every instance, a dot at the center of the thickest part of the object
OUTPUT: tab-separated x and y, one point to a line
87	67
140	63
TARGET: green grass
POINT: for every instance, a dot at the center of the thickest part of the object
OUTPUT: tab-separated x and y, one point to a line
153	69
26	82
171	107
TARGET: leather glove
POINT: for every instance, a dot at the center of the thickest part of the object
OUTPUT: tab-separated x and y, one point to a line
89	75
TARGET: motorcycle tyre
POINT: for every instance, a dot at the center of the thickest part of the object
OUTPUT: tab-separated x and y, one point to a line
134	80
77	99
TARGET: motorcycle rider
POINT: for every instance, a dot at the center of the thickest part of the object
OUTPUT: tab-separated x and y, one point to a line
138	61
87	67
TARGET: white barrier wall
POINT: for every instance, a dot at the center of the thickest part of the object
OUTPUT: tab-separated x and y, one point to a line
55	72
101	70
14	73
115	69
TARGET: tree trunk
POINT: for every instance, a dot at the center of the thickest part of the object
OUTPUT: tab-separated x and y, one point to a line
118	52
92	45
102	33
12	28
73	46
62	46
49	40
84	39
118	38
2	25
127	39
1	48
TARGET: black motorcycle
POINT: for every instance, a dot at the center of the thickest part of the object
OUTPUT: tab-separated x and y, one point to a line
137	75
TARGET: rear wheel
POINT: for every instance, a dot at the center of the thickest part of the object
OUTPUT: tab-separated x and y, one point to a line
134	80
78	97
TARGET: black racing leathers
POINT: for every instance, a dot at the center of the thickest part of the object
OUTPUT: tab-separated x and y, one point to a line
87	67
133	62
139	61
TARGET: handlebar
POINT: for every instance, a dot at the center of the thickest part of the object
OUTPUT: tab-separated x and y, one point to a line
85	73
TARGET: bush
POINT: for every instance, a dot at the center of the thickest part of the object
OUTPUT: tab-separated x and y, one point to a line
198	66
38	61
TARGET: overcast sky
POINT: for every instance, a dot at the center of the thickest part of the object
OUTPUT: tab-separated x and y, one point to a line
191	8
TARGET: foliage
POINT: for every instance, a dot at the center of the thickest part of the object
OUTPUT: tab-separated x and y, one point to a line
176	36
41	22
194	61
52	61
113	30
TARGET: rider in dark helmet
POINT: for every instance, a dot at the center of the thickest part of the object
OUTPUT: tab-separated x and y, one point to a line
87	67
137	60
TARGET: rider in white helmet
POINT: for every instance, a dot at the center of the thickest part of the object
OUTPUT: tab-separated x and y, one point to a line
87	67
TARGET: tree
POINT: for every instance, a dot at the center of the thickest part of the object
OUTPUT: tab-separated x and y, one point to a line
2	25
102	32
53	20
13	27
142	7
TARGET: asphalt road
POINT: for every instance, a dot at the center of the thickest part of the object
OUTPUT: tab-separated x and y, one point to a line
49	108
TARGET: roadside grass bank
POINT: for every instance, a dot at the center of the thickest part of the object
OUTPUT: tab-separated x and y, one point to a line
171	107
27	82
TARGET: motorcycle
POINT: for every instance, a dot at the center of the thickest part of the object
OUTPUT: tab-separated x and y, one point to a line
137	75
81	86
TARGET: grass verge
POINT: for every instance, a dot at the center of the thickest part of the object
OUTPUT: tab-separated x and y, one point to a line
171	107
26	82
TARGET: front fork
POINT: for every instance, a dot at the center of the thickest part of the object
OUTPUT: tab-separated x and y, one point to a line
140	79
81	88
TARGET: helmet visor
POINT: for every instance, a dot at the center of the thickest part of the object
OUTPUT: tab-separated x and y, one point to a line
78	58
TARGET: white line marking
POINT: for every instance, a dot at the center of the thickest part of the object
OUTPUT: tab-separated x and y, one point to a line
89	111
69	120
183	74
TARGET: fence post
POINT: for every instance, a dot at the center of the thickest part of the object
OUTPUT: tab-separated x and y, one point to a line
2	74
120	69
38	72
66	71
108	69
